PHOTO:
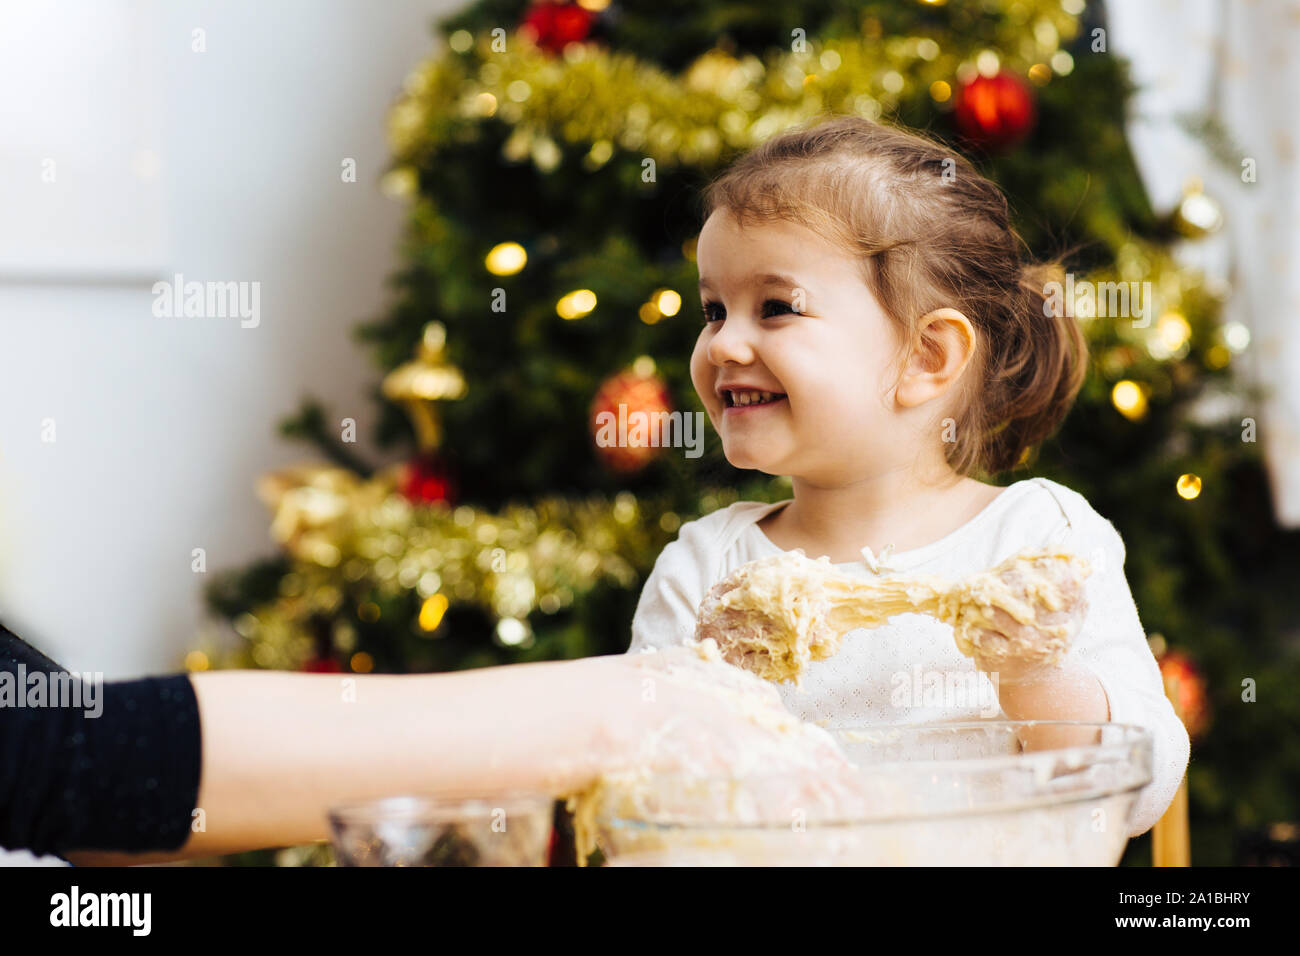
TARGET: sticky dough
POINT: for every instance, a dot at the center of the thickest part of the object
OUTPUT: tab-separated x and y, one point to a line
775	615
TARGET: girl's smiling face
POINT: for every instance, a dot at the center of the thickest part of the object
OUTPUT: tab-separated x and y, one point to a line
787	313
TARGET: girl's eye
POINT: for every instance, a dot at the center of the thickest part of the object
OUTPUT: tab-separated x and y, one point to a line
714	311
780	308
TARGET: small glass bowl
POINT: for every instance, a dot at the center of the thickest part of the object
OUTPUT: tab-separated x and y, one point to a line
492	829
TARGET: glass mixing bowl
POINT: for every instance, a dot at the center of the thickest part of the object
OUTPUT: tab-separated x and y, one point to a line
951	794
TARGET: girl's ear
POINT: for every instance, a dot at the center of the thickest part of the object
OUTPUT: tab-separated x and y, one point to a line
947	343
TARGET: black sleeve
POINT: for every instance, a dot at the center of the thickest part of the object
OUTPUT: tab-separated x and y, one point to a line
119	772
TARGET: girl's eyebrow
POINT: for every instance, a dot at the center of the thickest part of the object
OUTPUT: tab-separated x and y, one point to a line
763	281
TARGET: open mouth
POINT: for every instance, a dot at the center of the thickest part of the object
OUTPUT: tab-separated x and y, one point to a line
749	398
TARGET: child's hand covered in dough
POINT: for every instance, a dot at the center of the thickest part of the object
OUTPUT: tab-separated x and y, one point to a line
1017	621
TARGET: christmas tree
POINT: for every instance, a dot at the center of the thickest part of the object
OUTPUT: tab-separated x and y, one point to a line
551	155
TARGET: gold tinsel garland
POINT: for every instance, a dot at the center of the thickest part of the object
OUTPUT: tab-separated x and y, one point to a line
609	99
350	537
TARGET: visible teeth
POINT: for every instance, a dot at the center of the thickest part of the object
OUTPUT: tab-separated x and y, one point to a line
752	397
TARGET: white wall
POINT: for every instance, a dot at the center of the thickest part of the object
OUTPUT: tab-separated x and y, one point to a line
162	425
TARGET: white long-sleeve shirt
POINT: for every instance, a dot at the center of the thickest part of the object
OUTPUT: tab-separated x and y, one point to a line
909	670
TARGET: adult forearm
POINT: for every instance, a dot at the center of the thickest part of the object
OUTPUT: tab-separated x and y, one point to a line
278	749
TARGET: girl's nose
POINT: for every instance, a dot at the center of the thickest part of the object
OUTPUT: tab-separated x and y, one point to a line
731	344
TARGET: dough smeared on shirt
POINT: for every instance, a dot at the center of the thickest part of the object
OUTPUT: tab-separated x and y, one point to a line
775	615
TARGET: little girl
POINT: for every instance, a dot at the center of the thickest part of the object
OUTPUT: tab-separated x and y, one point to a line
870	330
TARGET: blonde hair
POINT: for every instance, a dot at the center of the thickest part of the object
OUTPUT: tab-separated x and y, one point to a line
930	232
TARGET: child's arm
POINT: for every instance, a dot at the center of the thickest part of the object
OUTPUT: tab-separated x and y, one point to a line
1110	673
1070	691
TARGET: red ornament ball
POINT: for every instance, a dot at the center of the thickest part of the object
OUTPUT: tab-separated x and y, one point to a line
552	25
322	665
995	111
425	479
1191	697
625	420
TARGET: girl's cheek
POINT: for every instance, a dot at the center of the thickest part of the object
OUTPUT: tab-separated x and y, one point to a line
700	376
